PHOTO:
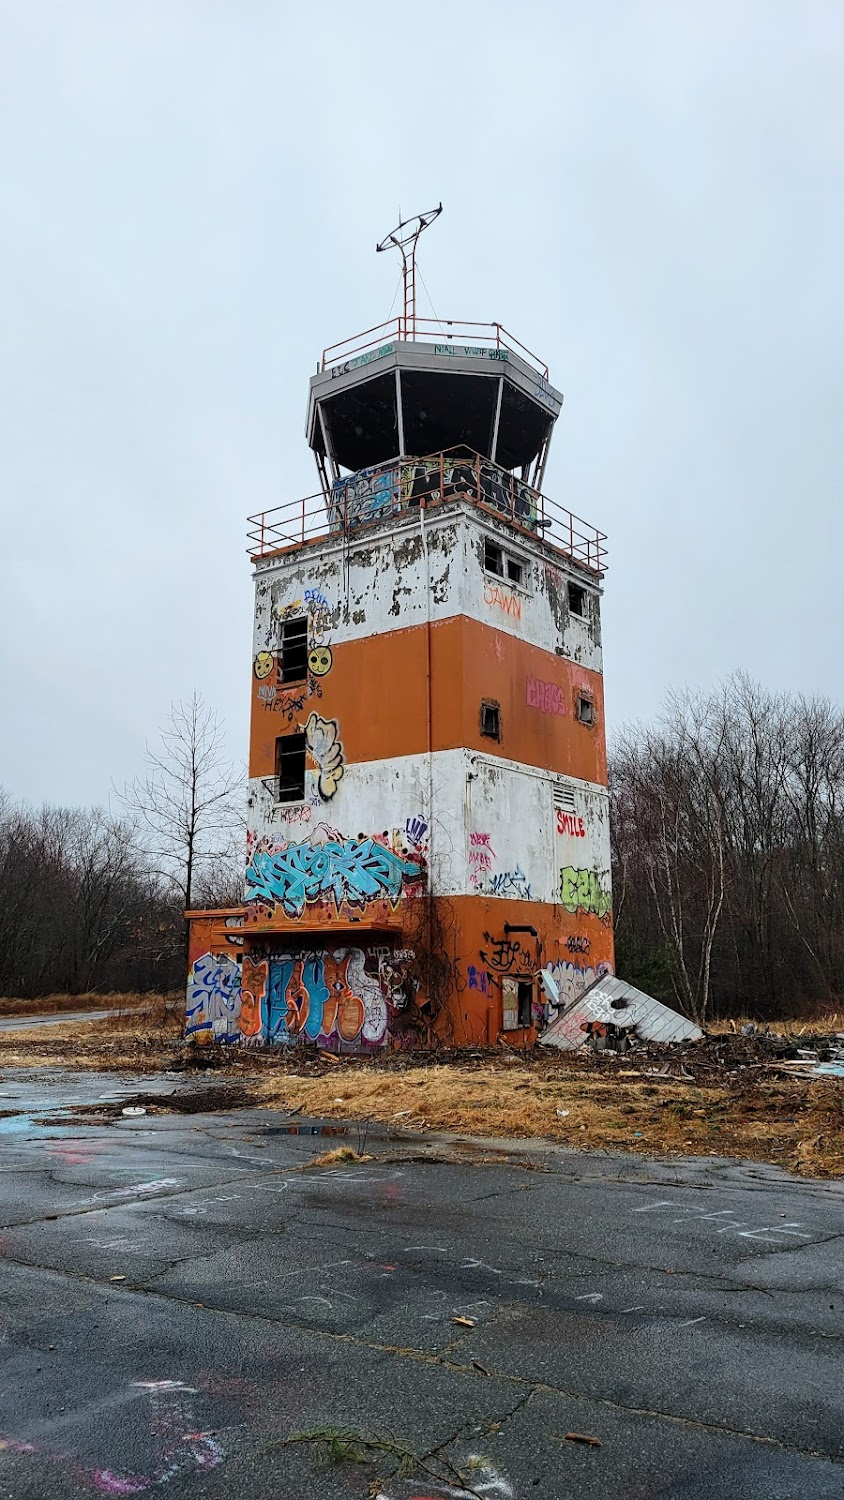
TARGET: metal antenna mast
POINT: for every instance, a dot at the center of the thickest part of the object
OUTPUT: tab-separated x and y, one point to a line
404	238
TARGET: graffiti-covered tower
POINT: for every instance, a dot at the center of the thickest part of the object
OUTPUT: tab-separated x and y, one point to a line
428	841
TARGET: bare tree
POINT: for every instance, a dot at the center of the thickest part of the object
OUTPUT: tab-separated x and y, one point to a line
187	804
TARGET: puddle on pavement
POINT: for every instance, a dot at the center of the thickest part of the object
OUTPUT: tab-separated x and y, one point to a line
305	1130
16	1124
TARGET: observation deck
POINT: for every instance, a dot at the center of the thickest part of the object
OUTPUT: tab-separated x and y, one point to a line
376	495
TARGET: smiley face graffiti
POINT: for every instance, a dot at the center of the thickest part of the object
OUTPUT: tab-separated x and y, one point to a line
320	660
263	664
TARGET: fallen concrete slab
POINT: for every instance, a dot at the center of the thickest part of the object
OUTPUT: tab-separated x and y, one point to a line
611	1006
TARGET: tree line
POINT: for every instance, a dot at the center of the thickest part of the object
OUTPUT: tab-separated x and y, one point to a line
727	819
92	899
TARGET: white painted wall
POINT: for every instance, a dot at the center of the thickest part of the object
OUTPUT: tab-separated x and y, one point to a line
382	584
494	830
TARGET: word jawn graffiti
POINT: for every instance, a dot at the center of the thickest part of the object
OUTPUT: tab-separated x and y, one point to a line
546	696
322	737
355	871
581	890
213	1000
478	979
511	883
577	944
570	823
503	599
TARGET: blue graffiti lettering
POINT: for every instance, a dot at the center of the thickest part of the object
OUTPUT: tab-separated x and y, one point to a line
355	871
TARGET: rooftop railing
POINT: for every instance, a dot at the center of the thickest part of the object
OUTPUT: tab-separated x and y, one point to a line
375	495
453	335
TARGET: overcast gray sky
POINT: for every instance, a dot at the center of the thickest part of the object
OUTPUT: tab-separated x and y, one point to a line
651	195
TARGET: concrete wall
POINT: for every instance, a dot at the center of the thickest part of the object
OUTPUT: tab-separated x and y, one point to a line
380	584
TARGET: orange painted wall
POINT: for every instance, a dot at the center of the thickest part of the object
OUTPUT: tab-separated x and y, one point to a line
484	952
377	691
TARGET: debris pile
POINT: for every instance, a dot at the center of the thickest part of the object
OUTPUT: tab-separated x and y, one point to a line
611	1013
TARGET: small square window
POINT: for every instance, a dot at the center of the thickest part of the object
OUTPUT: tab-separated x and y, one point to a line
525	1002
290	767
585	710
493	559
293	650
514	570
577	600
491	720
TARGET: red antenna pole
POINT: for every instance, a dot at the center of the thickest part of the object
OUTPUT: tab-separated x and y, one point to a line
403	238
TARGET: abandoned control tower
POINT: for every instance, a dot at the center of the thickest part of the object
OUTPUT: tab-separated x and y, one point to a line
428	842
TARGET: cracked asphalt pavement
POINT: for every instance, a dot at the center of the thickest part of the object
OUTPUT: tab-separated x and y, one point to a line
182	1294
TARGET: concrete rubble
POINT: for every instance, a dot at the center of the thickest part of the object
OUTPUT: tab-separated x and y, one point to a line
609	1014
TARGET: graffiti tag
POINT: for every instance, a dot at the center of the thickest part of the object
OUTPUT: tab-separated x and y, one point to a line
546	696
355	871
570	823
511	883
322	737
581	890
503	599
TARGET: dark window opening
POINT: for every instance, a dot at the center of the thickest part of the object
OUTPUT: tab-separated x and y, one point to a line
525	1002
290	767
577	599
491	721
493	559
585	711
514	571
293	650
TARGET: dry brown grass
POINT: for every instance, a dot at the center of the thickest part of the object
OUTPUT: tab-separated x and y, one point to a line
54	1005
141	1036
825	1024
737	1106
336	1158
795	1124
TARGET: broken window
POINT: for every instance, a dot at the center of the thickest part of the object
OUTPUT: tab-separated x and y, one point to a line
514	570
293	650
525	995
493	559
577	599
491	720
585	710
290	767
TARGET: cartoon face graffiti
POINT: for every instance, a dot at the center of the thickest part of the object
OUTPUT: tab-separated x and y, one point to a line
320	660
263	664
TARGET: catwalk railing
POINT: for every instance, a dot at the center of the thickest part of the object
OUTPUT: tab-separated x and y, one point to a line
449	336
375	495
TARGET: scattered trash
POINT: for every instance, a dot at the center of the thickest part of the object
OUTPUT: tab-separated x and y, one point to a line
464	1322
563	1113
749	1029
583	1437
117	1278
133	1109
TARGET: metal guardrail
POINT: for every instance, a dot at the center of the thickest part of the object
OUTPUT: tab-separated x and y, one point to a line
482	338
375	495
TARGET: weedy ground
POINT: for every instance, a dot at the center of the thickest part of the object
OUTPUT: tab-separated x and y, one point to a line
735	1103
